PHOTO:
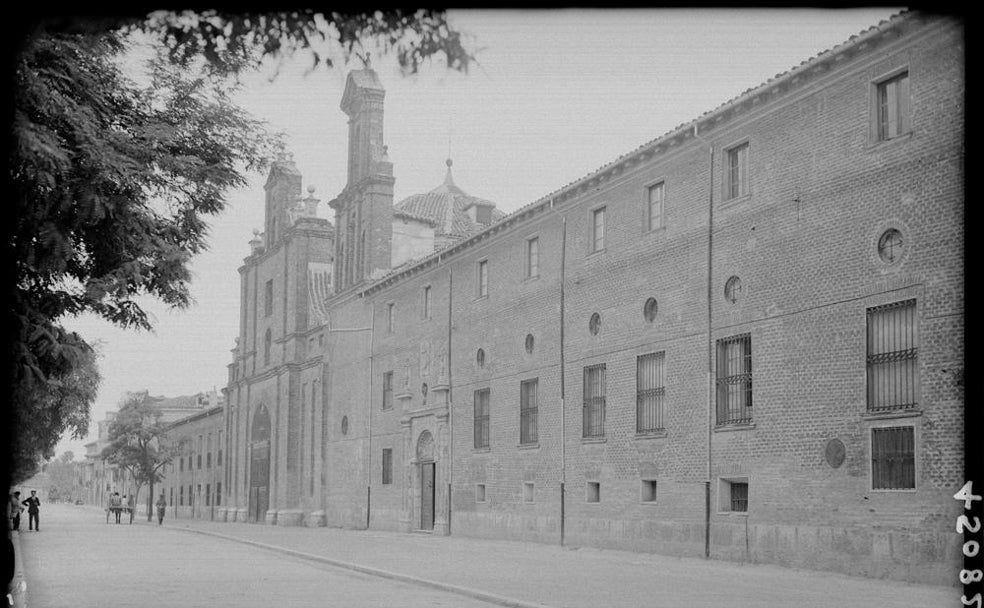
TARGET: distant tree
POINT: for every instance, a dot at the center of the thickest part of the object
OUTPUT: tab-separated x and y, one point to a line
111	183
61	477
138	443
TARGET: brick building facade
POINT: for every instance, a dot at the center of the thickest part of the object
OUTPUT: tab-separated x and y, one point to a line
742	340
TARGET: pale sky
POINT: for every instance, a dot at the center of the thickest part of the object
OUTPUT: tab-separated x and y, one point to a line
556	95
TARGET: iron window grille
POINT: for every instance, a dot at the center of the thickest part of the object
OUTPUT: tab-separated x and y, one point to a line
893	458
391	318
893	113
387	390
427	302
892	362
387	475
737	171
734	380
650	391
739	496
528	406
218	493
482	418
268	299
593	424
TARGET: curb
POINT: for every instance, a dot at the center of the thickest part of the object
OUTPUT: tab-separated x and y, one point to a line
405	578
17	590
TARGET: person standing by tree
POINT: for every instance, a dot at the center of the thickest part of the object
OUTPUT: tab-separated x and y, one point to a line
161	506
14	510
116	505
33	510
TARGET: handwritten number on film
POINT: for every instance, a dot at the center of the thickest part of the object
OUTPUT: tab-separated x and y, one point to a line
972	547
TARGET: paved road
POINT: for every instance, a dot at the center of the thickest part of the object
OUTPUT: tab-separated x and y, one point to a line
77	561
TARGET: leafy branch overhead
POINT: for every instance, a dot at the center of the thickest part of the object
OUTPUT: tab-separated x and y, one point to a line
112	182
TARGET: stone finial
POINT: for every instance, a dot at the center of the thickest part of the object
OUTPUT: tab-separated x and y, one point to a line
255	243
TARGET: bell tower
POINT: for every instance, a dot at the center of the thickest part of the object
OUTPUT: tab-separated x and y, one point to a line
364	209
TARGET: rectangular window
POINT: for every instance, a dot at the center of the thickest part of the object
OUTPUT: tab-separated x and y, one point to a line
170	496
528	491
737	172
893	458
648	493
593	493
181	496
427	302
191	497
482	418
268	299
650	391
892	99
387	475
532	258
483	278
208	460
739	496
181	464
388	390
391	317
218	455
208	494
734	380
594	401
218	493
892	348
654	215
528	405
480	492
598	229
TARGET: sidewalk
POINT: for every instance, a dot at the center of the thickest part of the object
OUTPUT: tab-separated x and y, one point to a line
529	574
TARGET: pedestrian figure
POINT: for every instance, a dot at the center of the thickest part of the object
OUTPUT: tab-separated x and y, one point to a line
131	505
116	505
14	511
33	507
161	505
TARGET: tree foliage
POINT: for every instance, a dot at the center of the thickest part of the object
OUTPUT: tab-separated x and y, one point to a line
138	441
111	183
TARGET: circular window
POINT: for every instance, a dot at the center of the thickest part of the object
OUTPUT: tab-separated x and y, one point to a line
529	344
834	452
344	425
732	290
480	358
649	310
594	325
890	246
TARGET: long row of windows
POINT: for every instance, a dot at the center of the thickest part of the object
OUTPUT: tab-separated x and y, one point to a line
209	498
892	384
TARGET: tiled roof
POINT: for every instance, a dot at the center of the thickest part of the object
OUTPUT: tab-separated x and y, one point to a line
445	206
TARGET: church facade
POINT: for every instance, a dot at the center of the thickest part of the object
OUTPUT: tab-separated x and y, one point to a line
742	340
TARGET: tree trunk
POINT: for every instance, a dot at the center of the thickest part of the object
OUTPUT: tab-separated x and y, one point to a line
150	502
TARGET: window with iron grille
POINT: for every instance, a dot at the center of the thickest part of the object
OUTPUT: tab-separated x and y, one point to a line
208	494
736	172
388	390
594	401
528	411
650	390
267	343
892	347
654	215
268	299
734	380
191	497
482	418
532	258
739	496
892	113
427	302
181	496
387	466
218	493
181	464
391	317
893	458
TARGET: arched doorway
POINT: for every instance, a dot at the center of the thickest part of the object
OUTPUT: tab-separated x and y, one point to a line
425	461
259	466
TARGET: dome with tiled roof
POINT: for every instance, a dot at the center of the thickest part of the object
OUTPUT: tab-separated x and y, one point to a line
454	212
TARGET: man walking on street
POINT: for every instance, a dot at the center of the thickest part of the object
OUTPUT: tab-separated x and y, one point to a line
161	506
33	505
